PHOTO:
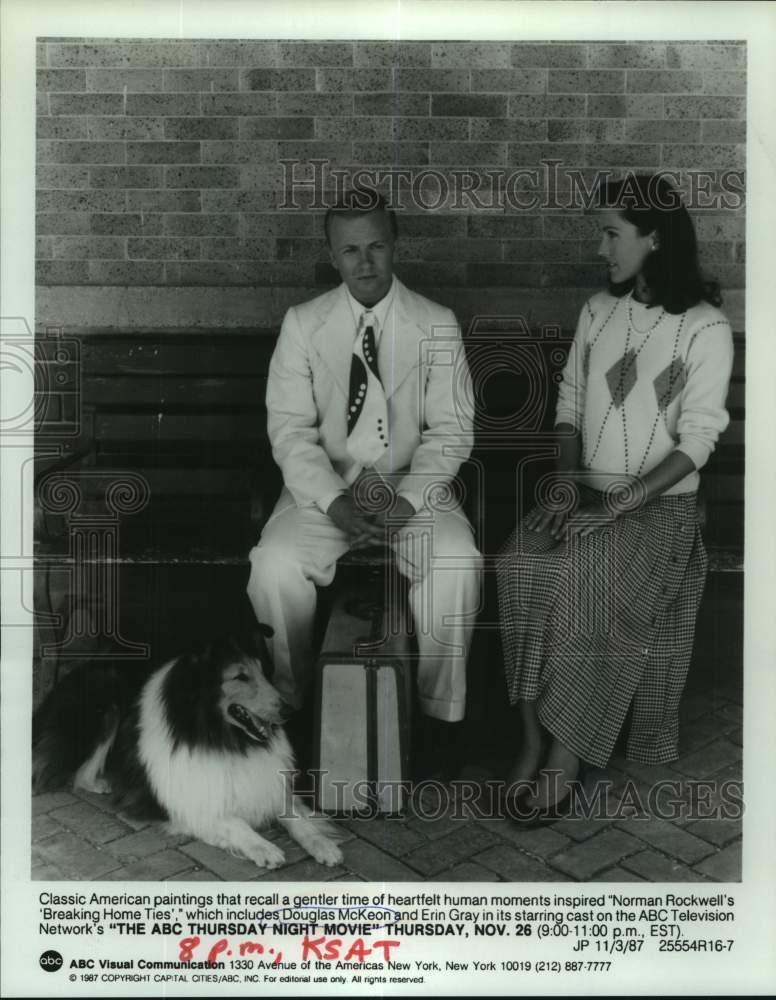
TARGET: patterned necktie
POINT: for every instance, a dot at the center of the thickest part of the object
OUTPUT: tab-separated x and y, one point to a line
367	408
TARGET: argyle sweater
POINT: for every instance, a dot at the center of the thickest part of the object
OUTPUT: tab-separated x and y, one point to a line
640	382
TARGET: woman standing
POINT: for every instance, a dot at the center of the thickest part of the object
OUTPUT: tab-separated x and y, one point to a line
599	585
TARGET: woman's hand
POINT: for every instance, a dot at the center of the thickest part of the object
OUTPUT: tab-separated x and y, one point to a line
592	518
544	520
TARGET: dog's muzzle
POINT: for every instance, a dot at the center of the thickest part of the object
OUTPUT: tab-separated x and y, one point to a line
258	729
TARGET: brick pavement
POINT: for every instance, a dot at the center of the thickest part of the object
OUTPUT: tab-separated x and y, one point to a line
80	836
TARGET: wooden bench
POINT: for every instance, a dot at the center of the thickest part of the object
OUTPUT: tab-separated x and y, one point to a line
154	476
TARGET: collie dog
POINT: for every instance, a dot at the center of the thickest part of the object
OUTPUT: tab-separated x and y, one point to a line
197	742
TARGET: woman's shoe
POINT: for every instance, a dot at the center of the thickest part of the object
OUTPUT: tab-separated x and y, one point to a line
530	819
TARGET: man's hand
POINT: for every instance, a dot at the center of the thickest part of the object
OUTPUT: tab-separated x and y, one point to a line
401	512
359	527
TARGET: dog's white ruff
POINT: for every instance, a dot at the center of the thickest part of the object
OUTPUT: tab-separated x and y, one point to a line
219	797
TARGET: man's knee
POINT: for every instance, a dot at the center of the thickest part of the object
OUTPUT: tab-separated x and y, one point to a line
273	565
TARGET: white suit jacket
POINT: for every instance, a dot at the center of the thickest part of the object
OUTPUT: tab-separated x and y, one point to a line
427	385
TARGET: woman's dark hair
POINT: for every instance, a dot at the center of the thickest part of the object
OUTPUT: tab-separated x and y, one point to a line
671	271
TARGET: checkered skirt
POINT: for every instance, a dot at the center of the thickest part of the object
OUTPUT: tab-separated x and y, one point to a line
602	622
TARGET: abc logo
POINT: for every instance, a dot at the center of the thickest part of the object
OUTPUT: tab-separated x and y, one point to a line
50	961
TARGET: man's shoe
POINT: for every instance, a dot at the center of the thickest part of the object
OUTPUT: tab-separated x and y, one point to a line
438	756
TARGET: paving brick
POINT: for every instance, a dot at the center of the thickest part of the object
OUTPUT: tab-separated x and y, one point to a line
246	53
705	56
44	825
392	54
392	836
513	866
447	851
642	55
46	873
279	128
194	875
599	852
303	871
85	820
724	866
225	865
375	865
51	800
471	105
125	177
656	867
471	54
616	874
719	82
201	128
350	80
202	177
469	871
126	53
556	56
164	201
163	152
153	868
703	730
395	103
542	842
86	104
137	846
66	151
125	128
717	831
521	81
75	858
60	128
315	53
206	80
167	104
667	837
627	106
431	825
61	79
581	829
710	759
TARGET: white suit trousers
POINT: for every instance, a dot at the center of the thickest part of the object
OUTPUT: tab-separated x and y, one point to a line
298	551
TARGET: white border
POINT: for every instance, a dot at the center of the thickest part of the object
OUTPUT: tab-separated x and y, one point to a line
752	967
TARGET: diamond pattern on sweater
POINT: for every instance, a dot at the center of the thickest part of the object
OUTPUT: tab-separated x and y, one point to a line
621	377
669	383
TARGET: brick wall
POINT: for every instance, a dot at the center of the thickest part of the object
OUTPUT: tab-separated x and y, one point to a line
159	186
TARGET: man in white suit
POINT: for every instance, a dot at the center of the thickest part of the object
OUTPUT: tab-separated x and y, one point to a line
369	379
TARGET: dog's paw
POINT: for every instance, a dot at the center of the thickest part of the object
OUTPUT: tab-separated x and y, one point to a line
97	785
327	853
268	856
